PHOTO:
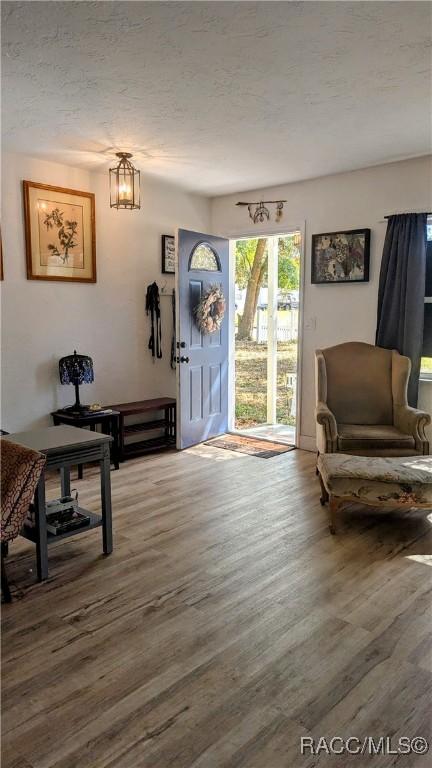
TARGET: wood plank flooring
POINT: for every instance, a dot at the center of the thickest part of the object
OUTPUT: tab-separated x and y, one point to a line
226	624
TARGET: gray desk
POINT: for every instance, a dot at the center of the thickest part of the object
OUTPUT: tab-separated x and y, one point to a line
65	447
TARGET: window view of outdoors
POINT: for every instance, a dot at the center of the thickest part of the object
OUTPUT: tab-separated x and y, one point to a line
251	299
426	362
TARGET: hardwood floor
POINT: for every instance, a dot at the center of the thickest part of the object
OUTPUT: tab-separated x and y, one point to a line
226	624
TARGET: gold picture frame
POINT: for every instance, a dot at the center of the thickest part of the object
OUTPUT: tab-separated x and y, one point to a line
60	233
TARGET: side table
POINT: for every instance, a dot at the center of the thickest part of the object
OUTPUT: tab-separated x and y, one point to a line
109	422
64	447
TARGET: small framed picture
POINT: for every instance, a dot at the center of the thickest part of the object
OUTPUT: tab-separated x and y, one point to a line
60	233
341	257
168	254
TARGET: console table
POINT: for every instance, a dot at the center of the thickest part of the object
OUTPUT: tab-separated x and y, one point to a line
164	412
64	447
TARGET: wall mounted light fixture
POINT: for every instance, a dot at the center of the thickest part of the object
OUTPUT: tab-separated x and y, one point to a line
258	211
124	183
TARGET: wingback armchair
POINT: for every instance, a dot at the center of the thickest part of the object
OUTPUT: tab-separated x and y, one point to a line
362	406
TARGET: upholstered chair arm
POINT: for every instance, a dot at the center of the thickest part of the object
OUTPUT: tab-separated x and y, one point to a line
326	419
413	422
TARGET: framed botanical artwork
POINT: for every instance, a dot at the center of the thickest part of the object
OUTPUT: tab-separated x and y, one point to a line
60	233
168	254
341	257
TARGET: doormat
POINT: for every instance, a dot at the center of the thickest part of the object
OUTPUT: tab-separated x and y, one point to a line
253	446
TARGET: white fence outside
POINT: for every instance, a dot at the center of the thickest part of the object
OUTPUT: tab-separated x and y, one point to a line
287	326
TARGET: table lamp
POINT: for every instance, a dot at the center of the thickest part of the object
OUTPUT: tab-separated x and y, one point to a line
76	369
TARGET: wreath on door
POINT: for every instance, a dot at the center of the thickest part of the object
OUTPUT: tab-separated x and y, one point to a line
210	311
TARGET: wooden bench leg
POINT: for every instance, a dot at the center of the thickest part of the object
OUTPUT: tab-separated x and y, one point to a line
4	581
333	508
324	494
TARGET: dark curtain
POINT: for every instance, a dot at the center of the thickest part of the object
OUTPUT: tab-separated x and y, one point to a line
402	290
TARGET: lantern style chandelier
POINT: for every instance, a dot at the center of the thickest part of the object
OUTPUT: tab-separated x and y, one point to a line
124	183
258	212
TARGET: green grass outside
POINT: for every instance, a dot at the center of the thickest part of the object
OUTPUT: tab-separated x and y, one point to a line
251	383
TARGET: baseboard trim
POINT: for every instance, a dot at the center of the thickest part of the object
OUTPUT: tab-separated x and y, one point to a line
307	443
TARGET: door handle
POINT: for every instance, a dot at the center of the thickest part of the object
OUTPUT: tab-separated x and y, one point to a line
184	359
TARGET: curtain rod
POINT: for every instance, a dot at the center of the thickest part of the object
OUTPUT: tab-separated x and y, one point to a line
428	213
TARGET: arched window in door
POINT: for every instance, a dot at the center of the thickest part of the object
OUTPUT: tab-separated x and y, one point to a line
204	258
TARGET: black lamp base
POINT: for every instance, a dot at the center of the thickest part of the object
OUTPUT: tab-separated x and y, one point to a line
80	410
77	408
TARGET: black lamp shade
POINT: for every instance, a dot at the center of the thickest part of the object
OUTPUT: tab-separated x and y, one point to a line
76	369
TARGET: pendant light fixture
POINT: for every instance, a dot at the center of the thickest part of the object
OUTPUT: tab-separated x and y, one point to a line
124	183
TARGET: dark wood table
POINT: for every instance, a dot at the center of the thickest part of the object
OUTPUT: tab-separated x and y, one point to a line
64	447
109	422
163	421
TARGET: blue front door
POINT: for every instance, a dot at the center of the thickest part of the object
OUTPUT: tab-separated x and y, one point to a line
203	261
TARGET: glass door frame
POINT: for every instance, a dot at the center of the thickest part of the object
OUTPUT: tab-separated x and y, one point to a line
271	395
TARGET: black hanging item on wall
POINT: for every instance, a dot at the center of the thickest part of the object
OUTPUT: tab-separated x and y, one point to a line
173	339
153	309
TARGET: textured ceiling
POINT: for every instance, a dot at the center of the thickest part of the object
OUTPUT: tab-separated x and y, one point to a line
218	97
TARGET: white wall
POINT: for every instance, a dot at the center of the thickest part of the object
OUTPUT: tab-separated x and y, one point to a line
336	313
41	321
44	320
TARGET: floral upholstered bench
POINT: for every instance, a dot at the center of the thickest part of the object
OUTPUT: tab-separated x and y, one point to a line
378	482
